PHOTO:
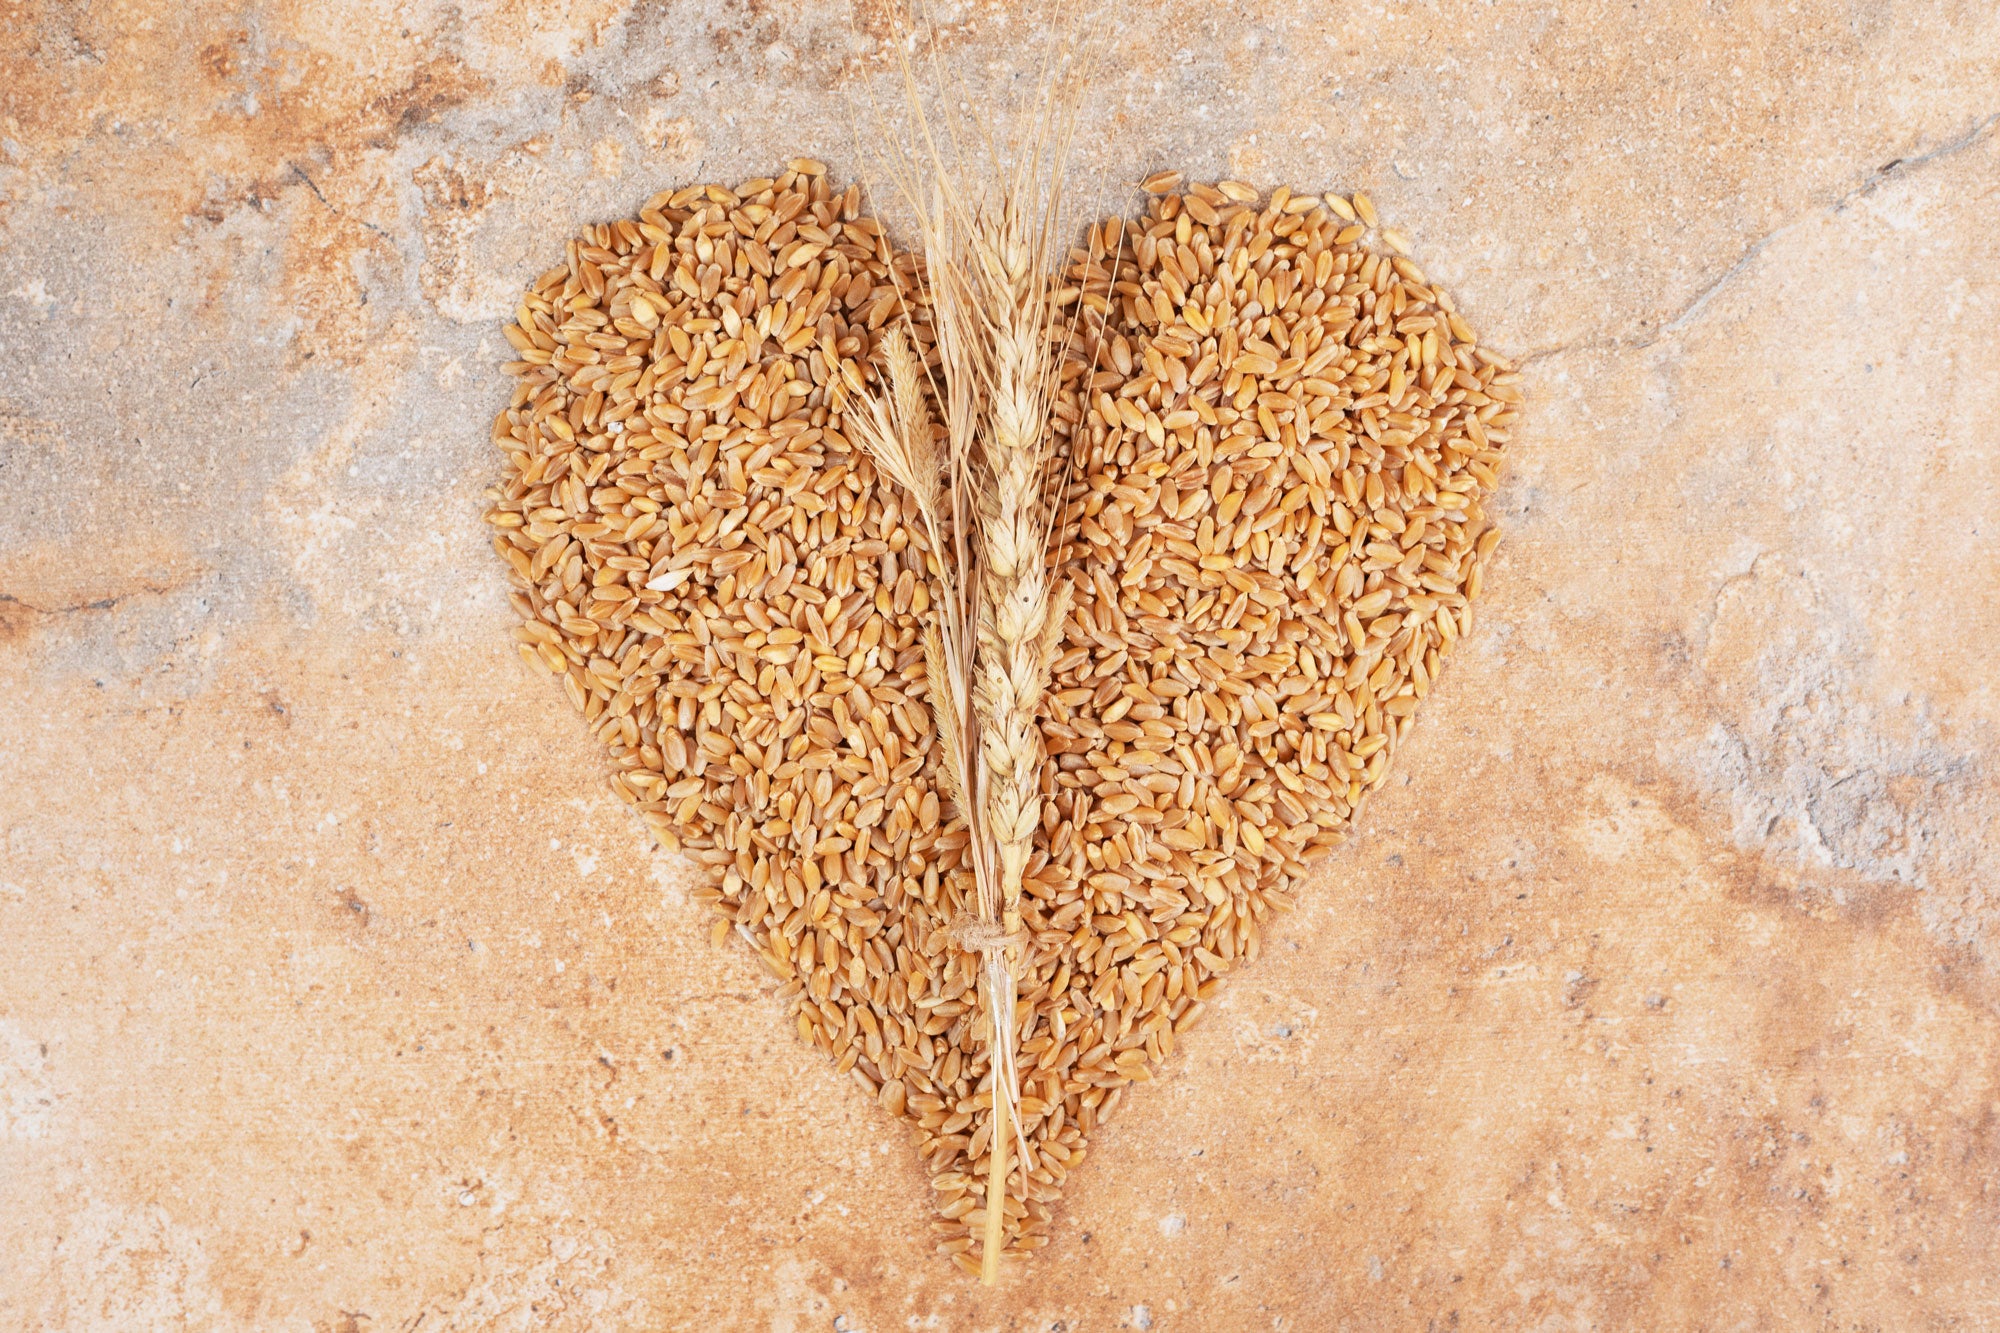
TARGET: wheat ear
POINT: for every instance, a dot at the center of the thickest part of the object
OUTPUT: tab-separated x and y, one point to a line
894	426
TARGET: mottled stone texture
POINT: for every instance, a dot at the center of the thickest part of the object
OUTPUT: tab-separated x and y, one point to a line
338	993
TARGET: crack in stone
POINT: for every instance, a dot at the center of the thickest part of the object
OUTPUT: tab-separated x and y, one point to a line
1897	166
1891	170
100	604
300	172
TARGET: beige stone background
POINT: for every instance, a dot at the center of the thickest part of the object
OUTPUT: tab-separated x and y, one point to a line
1660	990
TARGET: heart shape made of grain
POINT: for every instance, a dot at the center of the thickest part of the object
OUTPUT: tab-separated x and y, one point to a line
1273	444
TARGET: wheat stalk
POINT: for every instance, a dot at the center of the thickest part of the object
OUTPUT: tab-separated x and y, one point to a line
1015	625
989	285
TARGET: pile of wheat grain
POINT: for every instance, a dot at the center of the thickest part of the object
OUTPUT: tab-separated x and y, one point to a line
1273	444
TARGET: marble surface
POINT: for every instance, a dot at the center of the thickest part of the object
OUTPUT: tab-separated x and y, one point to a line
1660	990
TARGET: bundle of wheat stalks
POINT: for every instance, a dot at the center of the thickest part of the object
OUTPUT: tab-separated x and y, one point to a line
980	482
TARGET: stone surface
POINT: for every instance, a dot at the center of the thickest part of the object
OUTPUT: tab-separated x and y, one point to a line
1660	991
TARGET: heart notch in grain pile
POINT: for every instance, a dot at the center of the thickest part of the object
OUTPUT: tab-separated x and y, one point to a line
1263	450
